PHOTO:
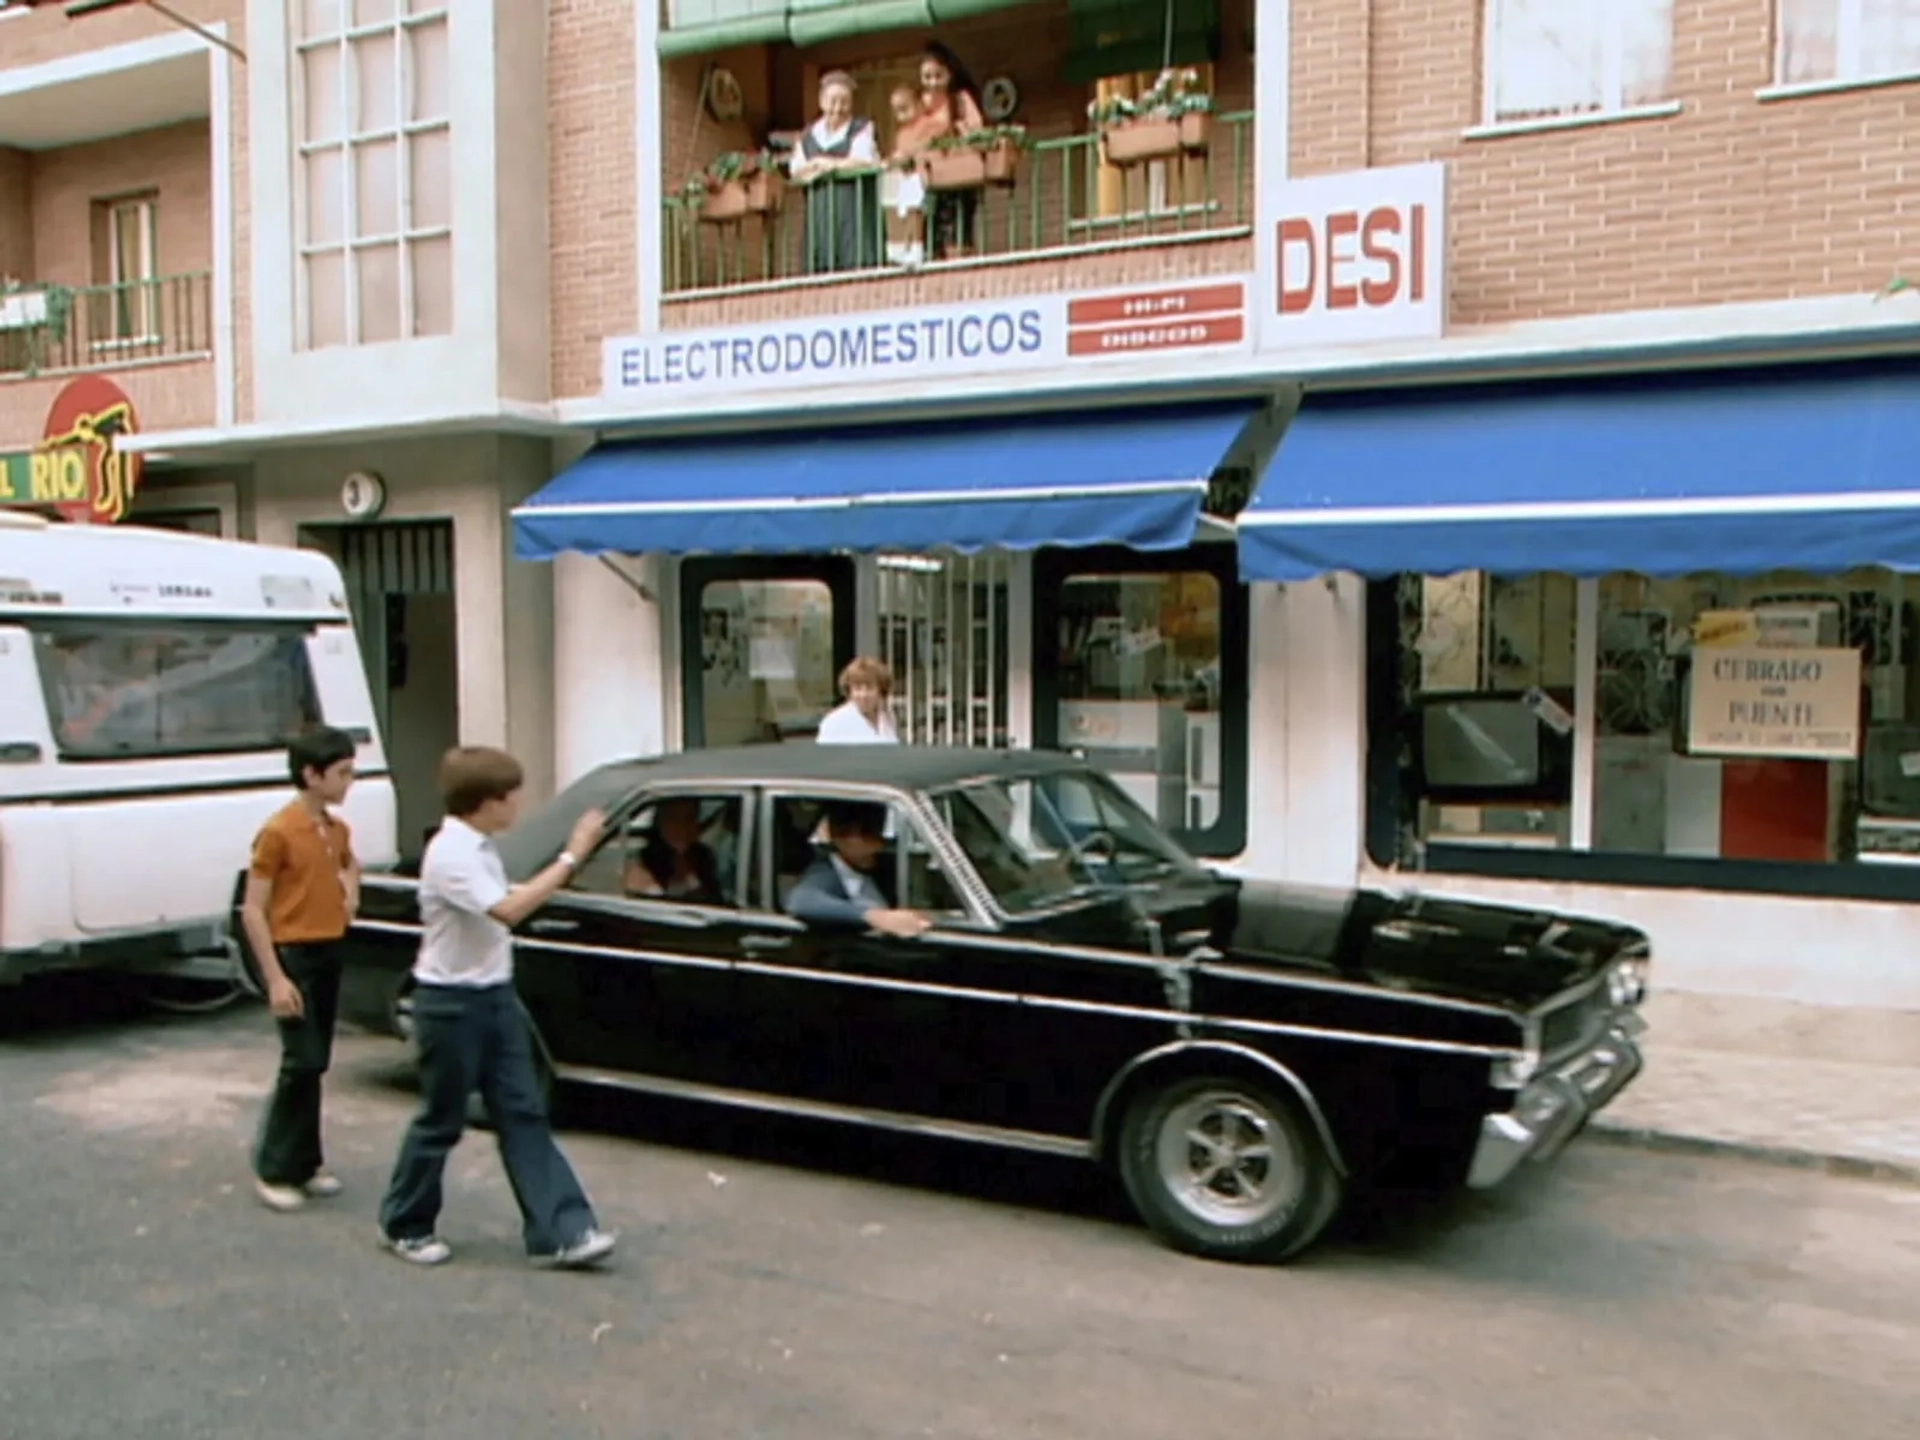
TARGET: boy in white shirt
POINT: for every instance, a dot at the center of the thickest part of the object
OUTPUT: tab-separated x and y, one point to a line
471	1031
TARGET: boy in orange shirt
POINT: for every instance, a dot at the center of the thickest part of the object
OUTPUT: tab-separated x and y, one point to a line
303	887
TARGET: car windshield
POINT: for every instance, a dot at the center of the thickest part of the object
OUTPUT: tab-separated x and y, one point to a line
1044	840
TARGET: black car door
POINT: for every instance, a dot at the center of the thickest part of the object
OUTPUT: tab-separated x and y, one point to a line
631	983
930	1028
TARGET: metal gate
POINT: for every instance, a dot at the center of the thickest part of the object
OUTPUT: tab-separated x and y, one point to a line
943	630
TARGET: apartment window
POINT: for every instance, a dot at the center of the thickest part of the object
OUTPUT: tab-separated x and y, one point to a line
1829	41
1550	59
374	198
126	270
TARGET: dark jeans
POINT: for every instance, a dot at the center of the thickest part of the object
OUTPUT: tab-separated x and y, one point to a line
480	1039
287	1151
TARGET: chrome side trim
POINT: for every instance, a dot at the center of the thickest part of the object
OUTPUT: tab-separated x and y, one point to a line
827	1110
1227	970
387	927
1315	1114
1170	1016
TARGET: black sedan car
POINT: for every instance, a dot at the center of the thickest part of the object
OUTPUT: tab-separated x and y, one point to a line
1070	980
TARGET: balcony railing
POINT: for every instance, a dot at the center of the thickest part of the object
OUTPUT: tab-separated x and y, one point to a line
1064	198
55	329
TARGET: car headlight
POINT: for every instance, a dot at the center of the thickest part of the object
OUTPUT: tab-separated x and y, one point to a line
1627	983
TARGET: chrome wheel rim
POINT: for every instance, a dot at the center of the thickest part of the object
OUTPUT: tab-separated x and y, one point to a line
1227	1159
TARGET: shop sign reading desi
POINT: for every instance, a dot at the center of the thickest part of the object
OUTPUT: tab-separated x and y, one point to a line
77	469
1357	257
1035	332
1786	702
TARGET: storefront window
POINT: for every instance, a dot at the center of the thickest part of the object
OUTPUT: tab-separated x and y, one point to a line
1746	731
763	650
1140	665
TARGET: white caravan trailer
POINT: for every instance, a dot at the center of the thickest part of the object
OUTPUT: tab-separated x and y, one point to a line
148	684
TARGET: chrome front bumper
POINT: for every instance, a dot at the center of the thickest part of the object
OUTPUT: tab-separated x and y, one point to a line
1554	1107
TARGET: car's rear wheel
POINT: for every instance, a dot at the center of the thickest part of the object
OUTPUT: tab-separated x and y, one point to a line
1225	1168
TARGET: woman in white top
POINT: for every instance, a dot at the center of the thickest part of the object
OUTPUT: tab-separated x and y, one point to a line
866	718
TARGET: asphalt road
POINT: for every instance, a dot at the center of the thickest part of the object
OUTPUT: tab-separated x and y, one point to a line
787	1281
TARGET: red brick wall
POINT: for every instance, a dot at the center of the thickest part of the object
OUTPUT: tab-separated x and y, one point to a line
1731	200
45	33
591	179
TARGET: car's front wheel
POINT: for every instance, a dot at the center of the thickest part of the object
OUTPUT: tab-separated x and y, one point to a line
1221	1167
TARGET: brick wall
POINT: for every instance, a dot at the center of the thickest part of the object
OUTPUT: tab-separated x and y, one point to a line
45	33
1733	199
165	397
591	177
64	184
1028	45
16	215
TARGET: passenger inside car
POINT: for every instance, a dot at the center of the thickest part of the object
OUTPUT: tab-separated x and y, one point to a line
673	860
848	887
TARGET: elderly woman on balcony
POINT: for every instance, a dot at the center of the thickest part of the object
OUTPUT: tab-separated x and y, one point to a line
838	160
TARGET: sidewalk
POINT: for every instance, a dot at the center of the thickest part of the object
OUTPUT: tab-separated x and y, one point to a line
1855	1118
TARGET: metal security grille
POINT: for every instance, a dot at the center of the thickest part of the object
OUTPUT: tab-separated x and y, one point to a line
943	630
413	557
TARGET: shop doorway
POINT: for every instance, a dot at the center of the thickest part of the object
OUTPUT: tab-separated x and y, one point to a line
763	643
943	631
399	579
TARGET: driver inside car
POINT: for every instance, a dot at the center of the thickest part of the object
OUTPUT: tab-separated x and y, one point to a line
844	888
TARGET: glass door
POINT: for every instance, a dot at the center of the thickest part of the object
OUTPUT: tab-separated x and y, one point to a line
763	642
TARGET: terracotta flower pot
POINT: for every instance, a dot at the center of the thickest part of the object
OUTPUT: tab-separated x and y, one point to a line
725	201
1002	162
1134	142
757	194
1196	130
958	169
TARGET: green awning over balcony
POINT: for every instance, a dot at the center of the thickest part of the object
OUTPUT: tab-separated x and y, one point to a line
811	22
699	27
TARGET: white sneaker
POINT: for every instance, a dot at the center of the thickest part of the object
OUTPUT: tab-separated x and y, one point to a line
418	1249
591	1248
324	1185
279	1197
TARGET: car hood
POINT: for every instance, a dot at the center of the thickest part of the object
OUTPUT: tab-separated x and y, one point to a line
1458	949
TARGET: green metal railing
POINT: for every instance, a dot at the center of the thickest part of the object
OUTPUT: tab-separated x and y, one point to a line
1063	198
50	329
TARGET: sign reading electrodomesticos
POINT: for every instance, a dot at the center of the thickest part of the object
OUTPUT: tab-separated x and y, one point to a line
1356	257
78	469
1035	332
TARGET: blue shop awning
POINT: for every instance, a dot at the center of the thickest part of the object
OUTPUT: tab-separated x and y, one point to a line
1809	468
1124	476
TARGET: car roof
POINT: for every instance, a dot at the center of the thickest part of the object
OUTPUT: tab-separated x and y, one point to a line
910	767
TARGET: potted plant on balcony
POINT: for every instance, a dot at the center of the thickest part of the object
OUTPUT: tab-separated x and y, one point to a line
989	156
737	184
1175	115
33	323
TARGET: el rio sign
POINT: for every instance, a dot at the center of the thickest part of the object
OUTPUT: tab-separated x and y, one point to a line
1358	257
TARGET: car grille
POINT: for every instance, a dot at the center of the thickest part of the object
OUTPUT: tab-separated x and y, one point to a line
1575	1023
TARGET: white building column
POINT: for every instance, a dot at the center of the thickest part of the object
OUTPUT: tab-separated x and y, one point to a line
608	663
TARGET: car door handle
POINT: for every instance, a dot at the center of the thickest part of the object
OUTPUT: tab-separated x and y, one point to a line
759	944
550	926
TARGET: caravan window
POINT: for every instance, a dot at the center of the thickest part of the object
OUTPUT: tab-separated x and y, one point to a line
118	690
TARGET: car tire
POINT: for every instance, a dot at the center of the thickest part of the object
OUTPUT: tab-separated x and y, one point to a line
1221	1167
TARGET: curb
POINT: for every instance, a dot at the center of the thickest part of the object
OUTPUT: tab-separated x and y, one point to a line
1852	1167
